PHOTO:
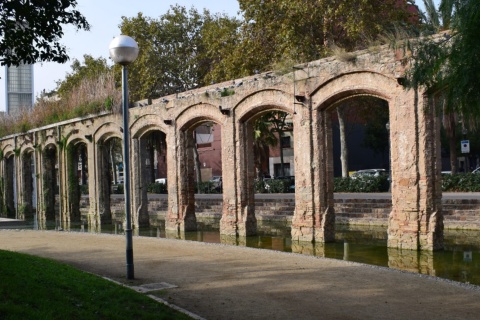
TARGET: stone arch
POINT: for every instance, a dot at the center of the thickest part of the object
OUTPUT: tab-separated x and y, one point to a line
149	135
353	84
262	100
416	219
146	123
238	217
76	156
103	136
181	214
314	220
106	131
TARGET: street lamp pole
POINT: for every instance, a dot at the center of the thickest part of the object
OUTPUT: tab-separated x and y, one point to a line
124	50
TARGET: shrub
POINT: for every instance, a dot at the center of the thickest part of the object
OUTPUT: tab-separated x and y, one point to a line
206	187
119	189
461	182
362	184
157	188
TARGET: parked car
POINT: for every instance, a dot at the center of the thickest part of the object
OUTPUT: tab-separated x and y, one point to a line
161	180
370	172
217	182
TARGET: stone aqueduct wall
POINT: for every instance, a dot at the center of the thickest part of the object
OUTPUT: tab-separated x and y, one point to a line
415	220
460	214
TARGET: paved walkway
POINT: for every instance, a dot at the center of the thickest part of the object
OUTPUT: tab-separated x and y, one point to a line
217	281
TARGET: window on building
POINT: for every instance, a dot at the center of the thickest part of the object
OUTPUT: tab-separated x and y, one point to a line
286	142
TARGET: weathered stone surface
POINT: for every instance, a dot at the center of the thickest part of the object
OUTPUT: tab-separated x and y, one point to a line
415	221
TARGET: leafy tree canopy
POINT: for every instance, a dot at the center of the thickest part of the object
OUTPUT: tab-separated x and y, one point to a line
30	31
91	69
168	61
452	63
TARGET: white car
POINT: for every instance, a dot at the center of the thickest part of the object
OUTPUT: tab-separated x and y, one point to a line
370	173
161	180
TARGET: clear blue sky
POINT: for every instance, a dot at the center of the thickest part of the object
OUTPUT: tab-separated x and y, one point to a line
104	17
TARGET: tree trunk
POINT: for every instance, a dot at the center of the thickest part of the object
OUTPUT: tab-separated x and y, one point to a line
343	142
196	160
112	162
452	139
282	166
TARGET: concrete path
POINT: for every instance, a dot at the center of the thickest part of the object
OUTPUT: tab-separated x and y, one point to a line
218	281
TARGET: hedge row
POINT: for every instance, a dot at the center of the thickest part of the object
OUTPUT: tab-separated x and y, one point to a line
362	184
461	182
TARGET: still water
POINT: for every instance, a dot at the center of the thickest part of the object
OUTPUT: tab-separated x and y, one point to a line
459	261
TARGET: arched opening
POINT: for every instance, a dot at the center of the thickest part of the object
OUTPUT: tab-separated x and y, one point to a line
150	179
268	164
28	192
50	184
77	179
110	179
361	143
200	166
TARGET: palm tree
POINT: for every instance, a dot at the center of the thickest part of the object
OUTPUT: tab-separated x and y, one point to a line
440	20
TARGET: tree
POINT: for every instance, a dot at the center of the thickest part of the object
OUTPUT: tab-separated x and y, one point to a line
169	59
449	66
265	130
30	30
288	32
451	63
438	20
91	69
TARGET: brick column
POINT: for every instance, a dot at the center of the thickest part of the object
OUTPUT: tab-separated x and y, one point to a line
238	218
181	188
314	218
416	220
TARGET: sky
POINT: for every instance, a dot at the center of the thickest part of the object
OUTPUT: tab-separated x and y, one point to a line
104	17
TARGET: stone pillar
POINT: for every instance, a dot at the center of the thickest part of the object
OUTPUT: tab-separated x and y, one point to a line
181	188
9	173
93	217
103	184
66	187
238	175
314	217
26	186
48	183
416	220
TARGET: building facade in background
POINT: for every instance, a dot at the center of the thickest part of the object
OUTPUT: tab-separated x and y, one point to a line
18	88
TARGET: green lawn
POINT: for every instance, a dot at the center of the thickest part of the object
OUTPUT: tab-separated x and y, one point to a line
38	288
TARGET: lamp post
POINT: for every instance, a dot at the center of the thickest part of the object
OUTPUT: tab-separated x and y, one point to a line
124	50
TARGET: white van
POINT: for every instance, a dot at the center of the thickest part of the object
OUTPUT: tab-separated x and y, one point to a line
161	180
